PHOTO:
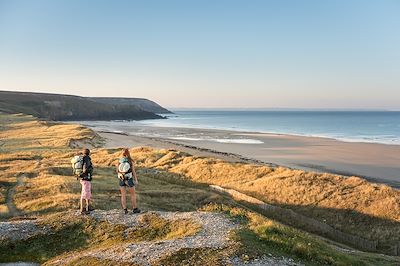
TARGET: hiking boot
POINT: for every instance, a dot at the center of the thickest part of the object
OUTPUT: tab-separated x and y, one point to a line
84	212
91	208
136	210
126	211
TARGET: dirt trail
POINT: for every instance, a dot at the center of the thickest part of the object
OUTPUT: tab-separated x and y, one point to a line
12	208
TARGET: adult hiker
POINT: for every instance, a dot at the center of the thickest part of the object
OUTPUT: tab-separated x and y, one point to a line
83	170
127	180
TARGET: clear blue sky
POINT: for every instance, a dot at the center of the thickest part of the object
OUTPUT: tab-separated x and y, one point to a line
219	53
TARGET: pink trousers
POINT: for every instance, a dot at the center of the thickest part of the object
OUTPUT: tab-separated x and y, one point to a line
86	189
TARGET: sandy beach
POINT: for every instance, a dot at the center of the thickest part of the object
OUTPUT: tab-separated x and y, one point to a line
376	162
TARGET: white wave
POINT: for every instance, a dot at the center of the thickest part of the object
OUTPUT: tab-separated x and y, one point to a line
185	138
395	141
239	141
236	141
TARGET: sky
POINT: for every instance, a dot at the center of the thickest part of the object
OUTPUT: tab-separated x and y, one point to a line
207	53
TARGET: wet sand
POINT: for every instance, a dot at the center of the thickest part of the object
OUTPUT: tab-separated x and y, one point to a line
378	163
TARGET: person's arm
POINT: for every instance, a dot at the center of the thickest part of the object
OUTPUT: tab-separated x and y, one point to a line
117	167
87	167
134	174
84	166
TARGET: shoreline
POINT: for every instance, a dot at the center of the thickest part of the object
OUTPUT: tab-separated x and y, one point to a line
244	131
233	130
374	162
233	157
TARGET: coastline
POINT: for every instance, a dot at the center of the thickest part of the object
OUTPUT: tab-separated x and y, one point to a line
377	163
351	208
380	127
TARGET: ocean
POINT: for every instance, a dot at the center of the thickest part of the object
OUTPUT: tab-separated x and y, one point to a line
351	126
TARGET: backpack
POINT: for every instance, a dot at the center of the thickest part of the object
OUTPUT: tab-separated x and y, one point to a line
77	165
124	169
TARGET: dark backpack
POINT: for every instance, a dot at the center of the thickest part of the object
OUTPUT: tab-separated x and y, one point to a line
88	166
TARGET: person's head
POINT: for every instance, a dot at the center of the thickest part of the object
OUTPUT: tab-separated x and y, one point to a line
126	154
86	151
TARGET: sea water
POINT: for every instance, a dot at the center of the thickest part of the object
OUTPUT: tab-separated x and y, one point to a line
351	126
355	126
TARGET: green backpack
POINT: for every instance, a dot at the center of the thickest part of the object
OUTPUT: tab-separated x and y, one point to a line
77	165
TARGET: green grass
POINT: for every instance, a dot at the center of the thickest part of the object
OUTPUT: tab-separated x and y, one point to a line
44	247
198	256
68	233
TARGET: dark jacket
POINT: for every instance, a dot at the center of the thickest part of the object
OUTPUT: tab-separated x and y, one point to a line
87	170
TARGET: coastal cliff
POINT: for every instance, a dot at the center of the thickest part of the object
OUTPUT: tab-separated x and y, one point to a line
69	107
144	104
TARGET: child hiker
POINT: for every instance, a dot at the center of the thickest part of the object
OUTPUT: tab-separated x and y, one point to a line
83	169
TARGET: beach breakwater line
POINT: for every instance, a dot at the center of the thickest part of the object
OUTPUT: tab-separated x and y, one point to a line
289	216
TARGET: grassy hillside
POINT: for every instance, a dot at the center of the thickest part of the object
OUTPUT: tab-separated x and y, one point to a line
351	205
143	104
36	182
67	107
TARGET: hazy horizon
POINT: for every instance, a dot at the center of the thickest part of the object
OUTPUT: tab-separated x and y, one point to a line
209	54
194	108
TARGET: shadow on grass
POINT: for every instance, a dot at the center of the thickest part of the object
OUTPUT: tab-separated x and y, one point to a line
63	171
43	247
260	236
157	190
21	158
362	231
197	256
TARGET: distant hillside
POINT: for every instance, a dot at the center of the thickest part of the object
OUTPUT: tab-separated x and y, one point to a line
143	104
69	107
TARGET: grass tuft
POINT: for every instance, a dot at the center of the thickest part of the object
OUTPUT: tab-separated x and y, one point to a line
153	227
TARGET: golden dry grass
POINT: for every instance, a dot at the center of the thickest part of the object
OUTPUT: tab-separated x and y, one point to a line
28	150
46	182
26	133
37	154
350	204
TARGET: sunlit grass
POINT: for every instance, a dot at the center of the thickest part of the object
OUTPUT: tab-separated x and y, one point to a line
351	205
37	154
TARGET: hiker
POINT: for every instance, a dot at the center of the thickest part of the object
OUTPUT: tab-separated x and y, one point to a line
127	180
83	170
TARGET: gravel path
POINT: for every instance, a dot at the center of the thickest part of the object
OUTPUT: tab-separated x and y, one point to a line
19	230
214	233
265	261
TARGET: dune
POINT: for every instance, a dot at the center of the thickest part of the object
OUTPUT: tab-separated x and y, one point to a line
36	182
